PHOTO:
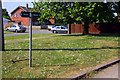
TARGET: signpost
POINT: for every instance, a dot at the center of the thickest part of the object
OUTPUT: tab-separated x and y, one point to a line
30	15
25	14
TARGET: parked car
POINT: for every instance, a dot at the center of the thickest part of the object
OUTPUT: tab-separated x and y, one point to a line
45	24
16	28
59	29
50	27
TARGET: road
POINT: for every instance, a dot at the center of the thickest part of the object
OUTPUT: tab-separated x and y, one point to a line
110	72
33	31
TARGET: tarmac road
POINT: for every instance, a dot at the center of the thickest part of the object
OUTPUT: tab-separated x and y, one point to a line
110	72
27	32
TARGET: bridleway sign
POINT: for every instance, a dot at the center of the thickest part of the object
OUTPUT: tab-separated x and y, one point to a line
27	14
30	15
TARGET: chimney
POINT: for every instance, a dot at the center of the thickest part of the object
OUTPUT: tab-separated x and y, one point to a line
27	5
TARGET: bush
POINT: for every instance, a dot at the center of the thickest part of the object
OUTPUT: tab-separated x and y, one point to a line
8	25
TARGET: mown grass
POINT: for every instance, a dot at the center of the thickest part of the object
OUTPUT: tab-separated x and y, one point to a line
7	32
56	56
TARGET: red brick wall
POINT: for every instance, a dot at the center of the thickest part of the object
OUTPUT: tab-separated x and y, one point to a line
17	18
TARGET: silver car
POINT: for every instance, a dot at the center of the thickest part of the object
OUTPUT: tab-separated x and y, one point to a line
16	28
59	29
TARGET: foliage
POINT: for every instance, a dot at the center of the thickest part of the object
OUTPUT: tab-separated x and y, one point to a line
8	25
75	12
5	14
116	9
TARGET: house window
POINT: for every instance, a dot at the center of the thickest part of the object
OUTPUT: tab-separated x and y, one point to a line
15	15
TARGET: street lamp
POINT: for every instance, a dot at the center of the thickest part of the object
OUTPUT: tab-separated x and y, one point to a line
1	29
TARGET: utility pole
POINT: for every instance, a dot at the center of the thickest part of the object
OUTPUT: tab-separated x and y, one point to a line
1	29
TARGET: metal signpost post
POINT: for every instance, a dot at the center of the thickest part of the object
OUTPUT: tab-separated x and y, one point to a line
30	15
30	43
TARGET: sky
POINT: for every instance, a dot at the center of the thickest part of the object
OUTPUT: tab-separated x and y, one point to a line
10	5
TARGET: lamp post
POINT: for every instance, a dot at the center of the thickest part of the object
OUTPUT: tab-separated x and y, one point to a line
1	29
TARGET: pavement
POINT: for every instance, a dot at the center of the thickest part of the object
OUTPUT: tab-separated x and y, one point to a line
110	72
27	32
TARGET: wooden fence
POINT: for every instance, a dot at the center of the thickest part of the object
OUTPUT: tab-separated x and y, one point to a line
96	28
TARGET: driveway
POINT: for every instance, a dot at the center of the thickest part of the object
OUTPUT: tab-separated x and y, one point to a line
27	32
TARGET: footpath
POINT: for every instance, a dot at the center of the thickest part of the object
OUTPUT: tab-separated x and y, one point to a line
112	73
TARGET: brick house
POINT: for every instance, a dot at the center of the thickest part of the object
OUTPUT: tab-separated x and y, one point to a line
15	16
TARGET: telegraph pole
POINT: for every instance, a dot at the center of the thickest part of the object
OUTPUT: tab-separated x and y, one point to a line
1	29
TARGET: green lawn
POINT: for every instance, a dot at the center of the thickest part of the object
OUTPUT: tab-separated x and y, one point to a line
56	56
7	32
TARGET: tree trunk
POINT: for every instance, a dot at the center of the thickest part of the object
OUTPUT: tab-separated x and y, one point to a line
1	29
86	27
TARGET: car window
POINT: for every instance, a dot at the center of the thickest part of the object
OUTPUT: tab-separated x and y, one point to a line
53	26
20	26
58	27
13	26
62	27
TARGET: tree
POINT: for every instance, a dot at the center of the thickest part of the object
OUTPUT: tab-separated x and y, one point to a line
116	9
5	14
76	12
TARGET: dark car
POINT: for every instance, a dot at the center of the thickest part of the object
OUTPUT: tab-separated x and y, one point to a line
45	25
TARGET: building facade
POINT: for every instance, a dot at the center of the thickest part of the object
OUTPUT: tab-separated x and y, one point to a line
15	16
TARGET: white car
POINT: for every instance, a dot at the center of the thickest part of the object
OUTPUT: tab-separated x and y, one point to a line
16	28
50	27
59	29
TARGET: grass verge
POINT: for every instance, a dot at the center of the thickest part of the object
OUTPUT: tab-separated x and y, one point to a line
56	56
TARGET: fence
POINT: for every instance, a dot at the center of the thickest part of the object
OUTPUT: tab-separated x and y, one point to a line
96	28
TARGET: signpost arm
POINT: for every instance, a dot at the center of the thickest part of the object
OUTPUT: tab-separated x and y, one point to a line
1	29
30	43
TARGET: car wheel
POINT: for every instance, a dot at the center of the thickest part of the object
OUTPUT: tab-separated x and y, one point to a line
7	29
54	31
16	31
23	31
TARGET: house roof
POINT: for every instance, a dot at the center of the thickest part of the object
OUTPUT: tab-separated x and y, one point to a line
22	7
